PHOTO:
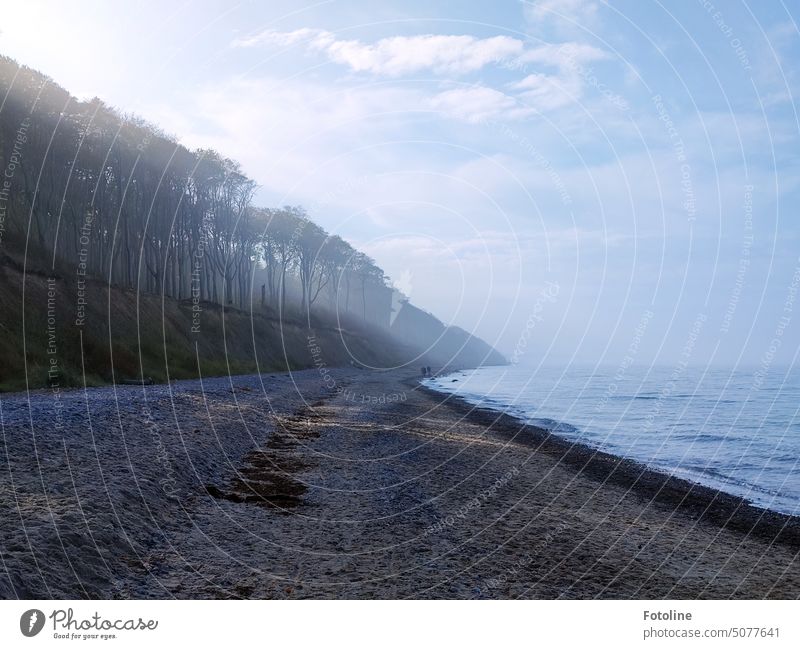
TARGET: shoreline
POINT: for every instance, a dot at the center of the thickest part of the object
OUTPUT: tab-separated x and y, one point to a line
289	486
699	501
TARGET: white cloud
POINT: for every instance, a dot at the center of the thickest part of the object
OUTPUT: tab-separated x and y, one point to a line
406	55
563	55
439	53
478	103
281	39
547	92
452	56
398	55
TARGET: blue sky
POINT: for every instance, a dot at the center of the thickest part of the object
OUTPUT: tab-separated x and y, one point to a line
550	174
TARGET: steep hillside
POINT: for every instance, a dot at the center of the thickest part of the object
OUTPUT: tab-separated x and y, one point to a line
61	335
445	346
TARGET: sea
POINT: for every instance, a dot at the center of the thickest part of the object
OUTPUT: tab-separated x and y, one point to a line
737	430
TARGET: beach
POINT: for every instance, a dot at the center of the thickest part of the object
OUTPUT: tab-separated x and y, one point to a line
349	483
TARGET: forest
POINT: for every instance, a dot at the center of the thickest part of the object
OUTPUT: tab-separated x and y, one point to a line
126	256
125	203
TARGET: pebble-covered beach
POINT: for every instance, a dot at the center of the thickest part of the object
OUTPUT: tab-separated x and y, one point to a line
349	484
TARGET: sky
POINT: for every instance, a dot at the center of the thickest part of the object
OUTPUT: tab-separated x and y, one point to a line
572	180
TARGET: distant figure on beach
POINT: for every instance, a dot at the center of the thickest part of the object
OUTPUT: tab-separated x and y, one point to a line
424	371
428	371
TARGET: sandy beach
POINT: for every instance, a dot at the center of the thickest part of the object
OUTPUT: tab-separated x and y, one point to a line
350	484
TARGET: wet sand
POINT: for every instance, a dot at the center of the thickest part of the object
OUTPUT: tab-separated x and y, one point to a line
358	485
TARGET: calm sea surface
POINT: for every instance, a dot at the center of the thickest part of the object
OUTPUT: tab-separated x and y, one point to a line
735	430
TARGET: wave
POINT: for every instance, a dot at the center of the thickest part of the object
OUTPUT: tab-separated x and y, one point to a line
552	425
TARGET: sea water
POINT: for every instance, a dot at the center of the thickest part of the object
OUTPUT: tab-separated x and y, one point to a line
737	430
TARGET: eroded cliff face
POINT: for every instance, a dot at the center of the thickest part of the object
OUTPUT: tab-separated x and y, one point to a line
444	346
